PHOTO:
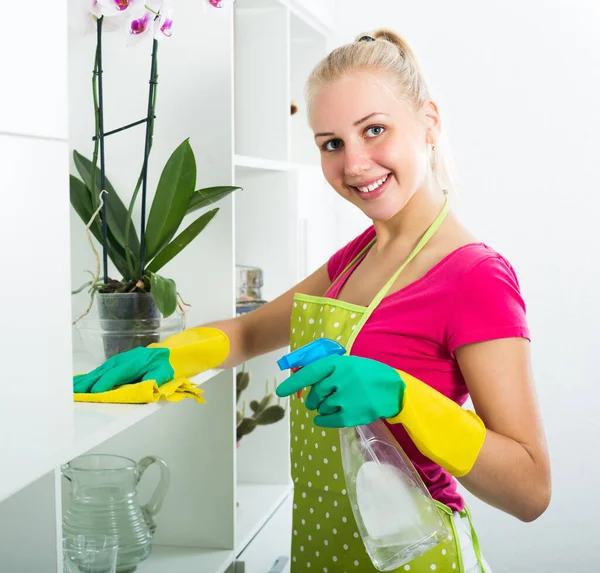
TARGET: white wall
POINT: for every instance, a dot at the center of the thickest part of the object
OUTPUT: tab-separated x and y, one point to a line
518	84
35	343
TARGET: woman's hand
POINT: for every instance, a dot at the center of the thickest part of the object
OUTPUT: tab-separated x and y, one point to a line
351	391
126	368
181	355
347	390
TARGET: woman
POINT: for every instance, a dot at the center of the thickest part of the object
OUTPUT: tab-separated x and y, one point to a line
428	314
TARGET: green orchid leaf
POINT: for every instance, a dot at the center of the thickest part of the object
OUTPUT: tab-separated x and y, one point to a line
164	293
208	196
81	200
181	241
116	213
171	200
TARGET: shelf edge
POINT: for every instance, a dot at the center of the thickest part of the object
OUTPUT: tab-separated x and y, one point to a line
121	417
287	489
260	164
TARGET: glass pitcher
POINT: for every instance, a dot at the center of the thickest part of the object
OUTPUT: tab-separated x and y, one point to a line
103	501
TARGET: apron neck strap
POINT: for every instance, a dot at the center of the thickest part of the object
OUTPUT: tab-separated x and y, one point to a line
424	240
381	294
353	262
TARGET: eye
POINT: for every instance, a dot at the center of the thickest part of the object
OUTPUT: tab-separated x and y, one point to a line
332	145
374	130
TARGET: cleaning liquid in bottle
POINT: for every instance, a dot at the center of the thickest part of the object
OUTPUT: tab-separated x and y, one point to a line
394	512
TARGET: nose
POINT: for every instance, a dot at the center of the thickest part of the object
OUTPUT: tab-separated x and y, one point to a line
356	160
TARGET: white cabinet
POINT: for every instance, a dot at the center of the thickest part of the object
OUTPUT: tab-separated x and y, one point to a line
269	551
226	81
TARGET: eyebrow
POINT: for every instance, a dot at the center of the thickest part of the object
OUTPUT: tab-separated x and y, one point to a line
362	120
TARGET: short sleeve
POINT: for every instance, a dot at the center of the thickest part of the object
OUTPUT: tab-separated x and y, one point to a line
342	258
487	305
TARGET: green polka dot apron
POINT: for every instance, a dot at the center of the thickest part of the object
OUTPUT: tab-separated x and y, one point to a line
325	536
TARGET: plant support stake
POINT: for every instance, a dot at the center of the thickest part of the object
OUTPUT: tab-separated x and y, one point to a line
100	112
149	129
128	126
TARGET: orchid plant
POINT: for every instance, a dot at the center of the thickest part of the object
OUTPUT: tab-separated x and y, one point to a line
136	17
95	199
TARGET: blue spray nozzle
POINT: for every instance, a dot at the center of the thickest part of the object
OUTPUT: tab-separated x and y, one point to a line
310	353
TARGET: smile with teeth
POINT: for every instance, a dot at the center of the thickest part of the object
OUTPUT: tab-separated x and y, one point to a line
374	185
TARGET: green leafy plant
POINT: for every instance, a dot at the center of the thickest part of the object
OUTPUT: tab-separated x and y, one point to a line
263	412
175	197
95	200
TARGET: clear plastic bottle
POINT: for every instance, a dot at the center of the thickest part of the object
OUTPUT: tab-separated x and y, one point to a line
394	512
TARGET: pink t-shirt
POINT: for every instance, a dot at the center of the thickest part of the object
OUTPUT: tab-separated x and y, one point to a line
470	296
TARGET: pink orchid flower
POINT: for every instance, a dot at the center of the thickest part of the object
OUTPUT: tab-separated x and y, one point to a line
115	7
164	22
158	17
83	20
96	9
219	3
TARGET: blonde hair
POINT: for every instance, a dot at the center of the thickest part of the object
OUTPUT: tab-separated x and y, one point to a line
391	54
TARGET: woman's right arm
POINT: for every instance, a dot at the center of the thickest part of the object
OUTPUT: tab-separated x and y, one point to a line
268	327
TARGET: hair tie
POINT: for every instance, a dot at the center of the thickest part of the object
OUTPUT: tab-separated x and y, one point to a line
366	39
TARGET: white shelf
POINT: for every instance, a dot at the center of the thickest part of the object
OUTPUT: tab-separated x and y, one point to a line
303	165
257	503
243	5
244	163
305	26
94	423
185	559
311	18
296	7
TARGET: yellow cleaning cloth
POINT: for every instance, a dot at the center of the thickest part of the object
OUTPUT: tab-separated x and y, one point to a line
146	392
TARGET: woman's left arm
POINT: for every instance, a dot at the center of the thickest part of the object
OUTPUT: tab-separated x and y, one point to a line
512	470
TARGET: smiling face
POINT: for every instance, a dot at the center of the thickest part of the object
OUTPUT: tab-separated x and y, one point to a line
374	148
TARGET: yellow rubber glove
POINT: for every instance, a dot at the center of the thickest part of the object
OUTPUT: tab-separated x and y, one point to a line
181	355
195	350
447	434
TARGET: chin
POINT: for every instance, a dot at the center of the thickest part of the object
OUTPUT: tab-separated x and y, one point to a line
385	212
381	217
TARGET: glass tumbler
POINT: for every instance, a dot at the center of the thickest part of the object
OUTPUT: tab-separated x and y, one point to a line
90	554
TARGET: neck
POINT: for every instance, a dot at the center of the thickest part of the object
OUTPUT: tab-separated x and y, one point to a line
411	222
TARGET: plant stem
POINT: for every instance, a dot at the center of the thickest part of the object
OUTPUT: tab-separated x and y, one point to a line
139	182
132	271
96	130
100	135
149	132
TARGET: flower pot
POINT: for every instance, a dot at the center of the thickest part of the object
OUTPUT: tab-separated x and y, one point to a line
123	322
129	320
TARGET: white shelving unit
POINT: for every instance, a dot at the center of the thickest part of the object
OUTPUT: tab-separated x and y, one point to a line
226	80
244	164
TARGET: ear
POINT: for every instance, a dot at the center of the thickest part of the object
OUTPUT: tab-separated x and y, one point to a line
432	121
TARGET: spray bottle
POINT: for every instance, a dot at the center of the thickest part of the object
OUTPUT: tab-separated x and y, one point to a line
395	514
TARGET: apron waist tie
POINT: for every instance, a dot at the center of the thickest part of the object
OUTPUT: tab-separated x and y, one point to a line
465	513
